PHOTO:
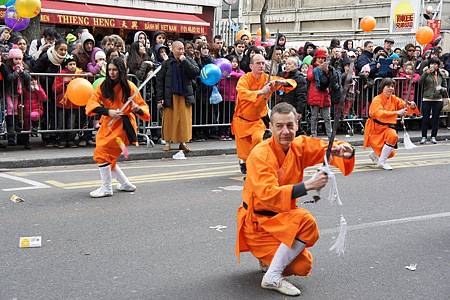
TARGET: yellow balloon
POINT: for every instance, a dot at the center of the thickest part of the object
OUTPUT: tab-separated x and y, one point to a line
28	8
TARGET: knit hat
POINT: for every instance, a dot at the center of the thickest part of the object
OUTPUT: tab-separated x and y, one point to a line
70	38
100	54
68	58
394	56
321	53
15	52
365	68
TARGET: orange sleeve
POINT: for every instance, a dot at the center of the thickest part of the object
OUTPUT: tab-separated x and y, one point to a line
94	102
346	165
377	112
244	92
399	103
286	89
263	179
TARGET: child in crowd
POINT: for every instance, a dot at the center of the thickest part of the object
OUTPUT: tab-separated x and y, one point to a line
99	67
409	85
18	79
67	112
227	88
34	96
366	95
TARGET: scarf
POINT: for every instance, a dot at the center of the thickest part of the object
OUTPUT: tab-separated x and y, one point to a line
177	80
54	57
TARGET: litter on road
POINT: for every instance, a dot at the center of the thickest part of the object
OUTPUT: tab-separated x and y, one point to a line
30	242
16	199
411	267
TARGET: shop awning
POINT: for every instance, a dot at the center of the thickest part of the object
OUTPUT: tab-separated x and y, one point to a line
71	13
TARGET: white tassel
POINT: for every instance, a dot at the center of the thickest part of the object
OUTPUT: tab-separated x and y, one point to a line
407	141
339	244
333	195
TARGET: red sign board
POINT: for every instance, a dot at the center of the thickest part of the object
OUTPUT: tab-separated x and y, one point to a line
118	23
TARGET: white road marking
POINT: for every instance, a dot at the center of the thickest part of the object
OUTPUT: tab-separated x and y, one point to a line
34	184
388	222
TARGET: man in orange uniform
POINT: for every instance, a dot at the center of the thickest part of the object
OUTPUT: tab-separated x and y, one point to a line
270	225
106	101
253	92
379	131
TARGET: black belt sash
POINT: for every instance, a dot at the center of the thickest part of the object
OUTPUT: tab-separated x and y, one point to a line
385	124
129	129
267	213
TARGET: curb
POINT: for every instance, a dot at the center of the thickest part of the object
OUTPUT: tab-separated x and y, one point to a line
87	159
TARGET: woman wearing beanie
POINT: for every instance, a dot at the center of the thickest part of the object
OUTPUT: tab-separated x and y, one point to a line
50	62
434	89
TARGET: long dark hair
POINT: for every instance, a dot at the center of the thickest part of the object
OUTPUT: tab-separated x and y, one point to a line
107	86
134	59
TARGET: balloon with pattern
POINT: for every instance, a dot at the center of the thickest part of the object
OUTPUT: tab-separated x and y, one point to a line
9	3
79	90
210	74
13	21
224	66
28	8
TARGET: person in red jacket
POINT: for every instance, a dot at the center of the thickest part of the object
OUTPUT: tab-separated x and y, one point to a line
33	96
67	112
318	94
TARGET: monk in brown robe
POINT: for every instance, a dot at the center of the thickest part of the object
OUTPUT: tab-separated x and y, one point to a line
269	223
106	101
253	93
379	131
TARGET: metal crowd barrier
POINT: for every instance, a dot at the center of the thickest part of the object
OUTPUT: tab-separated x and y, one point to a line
57	121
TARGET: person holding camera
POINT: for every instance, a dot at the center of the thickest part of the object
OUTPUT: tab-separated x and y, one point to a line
434	89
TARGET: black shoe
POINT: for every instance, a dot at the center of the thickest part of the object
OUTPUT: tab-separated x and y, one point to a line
27	146
11	143
243	169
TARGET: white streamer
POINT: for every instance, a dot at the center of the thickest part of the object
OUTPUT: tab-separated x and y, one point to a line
339	244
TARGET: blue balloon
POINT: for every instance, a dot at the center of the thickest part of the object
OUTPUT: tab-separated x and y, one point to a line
10	3
210	74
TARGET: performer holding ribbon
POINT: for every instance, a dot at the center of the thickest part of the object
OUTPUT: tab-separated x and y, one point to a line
117	121
254	90
379	132
269	223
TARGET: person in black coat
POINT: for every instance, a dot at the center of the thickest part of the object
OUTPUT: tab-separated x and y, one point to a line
298	96
175	93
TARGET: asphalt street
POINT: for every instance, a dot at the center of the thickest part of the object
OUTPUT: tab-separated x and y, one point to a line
174	238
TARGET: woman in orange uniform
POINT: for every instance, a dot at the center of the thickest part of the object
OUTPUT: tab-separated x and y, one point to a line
379	132
106	102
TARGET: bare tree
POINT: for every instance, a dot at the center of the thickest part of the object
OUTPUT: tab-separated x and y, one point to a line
33	31
262	18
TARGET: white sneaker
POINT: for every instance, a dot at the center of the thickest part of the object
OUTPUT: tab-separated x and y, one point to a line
282	286
423	140
101	192
385	166
127	187
433	140
373	157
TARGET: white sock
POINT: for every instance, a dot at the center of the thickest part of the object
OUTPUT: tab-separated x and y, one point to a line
282	258
385	154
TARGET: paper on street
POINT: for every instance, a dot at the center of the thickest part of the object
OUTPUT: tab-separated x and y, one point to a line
30	242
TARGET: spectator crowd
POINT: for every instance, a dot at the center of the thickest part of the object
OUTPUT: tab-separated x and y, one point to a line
32	102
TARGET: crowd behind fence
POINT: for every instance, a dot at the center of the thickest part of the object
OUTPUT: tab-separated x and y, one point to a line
58	120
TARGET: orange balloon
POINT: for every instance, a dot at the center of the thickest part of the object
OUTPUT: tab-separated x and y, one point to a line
240	33
368	23
258	33
424	35
79	90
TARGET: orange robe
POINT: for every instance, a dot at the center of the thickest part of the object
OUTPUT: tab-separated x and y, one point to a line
247	125
271	175
383	110
107	149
